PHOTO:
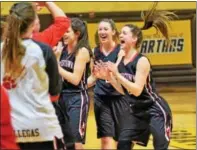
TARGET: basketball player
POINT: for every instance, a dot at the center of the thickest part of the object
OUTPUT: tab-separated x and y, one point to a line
107	50
74	63
51	36
27	70
142	111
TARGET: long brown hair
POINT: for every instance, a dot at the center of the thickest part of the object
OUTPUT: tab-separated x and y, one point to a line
18	21
79	25
153	18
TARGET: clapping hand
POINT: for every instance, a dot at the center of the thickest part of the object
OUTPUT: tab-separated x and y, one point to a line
112	67
101	71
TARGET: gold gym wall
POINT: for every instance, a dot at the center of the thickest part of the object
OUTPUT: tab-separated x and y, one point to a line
82	7
174	64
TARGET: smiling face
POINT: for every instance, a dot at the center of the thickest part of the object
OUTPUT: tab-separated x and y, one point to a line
127	39
69	37
105	32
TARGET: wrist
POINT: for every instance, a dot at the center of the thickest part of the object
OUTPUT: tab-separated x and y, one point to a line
116	74
59	68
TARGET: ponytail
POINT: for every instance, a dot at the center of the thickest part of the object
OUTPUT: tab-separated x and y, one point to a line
20	17
158	19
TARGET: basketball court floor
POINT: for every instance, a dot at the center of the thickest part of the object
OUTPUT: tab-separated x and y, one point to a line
183	105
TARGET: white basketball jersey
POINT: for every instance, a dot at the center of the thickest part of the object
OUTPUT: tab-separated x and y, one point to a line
33	115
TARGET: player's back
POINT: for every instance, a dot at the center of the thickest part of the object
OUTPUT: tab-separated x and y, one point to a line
33	115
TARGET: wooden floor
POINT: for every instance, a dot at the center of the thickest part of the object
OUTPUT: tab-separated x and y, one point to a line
183	105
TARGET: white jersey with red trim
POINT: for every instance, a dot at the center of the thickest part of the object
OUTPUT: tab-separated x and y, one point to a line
33	115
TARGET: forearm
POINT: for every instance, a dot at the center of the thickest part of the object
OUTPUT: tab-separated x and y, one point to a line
91	81
130	86
116	85
70	77
55	10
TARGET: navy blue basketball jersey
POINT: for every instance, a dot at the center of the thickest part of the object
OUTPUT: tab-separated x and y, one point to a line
67	61
149	94
102	87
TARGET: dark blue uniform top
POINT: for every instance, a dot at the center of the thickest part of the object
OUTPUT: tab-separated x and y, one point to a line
149	94
67	61
103	88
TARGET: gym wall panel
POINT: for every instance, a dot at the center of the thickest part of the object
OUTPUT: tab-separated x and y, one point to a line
153	45
82	7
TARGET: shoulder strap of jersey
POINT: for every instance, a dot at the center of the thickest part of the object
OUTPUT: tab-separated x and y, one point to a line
96	50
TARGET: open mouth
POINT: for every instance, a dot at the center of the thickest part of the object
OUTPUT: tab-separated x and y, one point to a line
122	41
103	37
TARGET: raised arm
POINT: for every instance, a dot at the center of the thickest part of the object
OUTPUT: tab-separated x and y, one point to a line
55	31
54	10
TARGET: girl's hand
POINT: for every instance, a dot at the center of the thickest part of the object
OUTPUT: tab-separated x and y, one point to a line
58	50
112	67
101	71
39	5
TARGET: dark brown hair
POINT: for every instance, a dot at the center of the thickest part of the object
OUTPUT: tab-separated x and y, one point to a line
153	18
18	21
80	26
113	26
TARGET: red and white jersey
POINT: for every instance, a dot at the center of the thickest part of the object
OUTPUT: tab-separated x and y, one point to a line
32	113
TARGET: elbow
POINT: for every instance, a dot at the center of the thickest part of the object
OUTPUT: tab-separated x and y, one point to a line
137	92
122	92
76	82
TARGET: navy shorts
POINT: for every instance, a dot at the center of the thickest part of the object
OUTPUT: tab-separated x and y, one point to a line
137	125
77	108
64	123
107	125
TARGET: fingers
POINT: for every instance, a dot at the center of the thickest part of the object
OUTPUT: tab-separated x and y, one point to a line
54	48
100	70
59	47
38	5
110	65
